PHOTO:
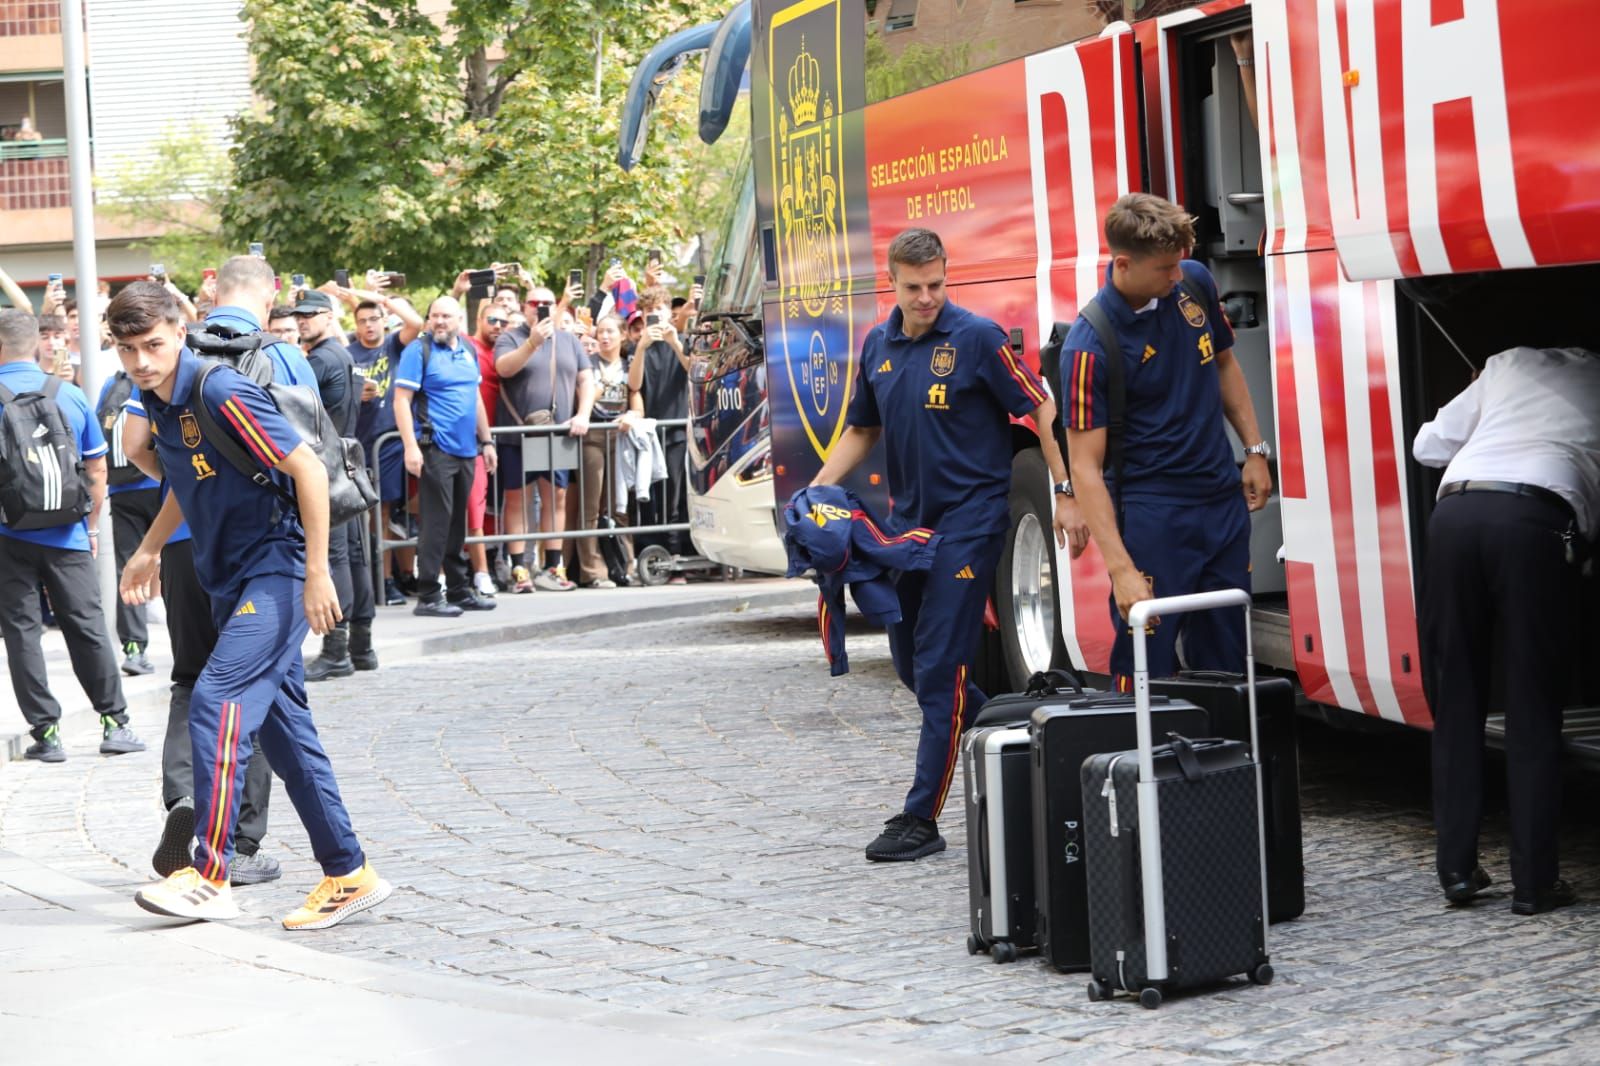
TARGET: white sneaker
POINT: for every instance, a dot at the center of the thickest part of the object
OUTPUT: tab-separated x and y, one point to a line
483	583
186	894
155	612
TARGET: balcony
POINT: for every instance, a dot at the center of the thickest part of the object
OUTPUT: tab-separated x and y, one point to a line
29	18
33	175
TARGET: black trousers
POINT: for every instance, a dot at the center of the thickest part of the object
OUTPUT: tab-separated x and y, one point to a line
1497	624
442	495
347	565
194	634
669	499
131	515
69	576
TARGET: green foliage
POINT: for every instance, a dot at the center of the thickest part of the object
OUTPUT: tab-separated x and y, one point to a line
388	142
177	192
918	65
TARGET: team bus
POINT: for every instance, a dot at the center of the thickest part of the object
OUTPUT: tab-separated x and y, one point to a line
1388	192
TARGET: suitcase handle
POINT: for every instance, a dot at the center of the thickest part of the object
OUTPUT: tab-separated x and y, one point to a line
1139	616
1188	761
1052	682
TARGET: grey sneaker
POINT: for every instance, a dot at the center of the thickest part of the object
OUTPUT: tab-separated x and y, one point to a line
118	739
253	869
177	836
550	581
136	663
47	748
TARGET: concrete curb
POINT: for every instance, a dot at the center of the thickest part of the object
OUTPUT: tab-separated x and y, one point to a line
293	962
737	599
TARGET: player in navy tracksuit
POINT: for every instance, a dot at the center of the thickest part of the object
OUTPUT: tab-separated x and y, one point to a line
1185	524
265	567
937	384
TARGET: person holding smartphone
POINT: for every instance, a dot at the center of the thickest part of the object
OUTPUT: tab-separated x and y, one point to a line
658	383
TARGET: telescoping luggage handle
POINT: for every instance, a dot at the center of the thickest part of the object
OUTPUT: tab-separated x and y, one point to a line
1155	914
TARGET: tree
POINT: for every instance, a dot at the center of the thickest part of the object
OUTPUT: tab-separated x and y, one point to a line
178	190
416	147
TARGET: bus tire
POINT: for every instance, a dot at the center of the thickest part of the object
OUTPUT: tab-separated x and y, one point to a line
1025	594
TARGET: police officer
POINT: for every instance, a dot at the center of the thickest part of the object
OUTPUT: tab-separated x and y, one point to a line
442	368
1178	520
1518	509
938	385
62	558
265	567
347	556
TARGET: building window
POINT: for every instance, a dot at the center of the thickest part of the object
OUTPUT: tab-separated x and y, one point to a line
902	16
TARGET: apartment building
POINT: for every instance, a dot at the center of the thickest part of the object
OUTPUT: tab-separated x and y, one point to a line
153	64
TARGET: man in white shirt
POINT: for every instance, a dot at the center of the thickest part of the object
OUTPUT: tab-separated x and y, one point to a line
1516	514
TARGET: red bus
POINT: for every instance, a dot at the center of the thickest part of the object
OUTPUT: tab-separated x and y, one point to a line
1388	192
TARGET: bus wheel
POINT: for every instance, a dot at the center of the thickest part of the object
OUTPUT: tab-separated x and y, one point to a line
1025	585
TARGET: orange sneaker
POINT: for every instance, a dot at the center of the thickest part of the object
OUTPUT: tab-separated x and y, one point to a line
337	898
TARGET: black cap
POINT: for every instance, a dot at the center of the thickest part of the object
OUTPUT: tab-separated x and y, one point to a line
312	301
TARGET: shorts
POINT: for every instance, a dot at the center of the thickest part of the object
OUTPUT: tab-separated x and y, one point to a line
391	471
478	499
513	477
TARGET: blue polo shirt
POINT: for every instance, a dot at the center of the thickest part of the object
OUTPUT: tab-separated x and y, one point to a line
943	400
240	529
27	377
451	387
113	431
1175	448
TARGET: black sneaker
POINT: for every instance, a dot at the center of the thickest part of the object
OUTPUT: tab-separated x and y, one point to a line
1558	894
253	869
48	747
136	663
906	837
118	739
471	601
436	608
392	596
177	835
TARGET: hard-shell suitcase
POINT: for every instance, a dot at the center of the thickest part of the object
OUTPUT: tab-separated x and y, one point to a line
1177	871
1065	732
1227	701
999	841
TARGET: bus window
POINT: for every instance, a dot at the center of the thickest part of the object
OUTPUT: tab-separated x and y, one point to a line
912	44
734	283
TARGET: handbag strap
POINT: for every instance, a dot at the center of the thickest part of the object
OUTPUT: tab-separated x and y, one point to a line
504	392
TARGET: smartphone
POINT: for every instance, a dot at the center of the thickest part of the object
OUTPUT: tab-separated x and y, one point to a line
543	312
655	257
208	274
616	262
481	279
700	280
277	283
574	277
585	315
510	270
55	279
258	249
341	278
653	318
396	281
298	280
158	271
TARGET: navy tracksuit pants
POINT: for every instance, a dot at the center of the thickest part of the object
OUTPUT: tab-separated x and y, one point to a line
254	686
1183	548
933	646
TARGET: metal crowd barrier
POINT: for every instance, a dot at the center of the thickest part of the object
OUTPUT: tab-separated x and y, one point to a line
544	449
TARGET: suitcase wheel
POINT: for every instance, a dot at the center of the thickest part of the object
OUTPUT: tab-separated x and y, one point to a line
1099	990
1262	974
1150	998
1003	952
975	944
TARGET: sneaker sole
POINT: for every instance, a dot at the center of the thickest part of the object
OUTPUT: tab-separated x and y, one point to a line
59	756
134	671
120	748
193	916
932	847
172	853
382	892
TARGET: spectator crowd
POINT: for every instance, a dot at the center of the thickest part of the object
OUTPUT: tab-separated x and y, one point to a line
504	410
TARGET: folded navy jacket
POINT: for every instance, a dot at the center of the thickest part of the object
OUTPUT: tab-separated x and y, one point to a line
830	532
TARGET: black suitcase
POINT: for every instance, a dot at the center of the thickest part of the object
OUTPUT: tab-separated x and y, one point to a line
999	840
1227	701
1065	733
1176	846
1046	686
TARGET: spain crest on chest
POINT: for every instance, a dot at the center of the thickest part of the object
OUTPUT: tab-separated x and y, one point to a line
944	361
1193	313
190	430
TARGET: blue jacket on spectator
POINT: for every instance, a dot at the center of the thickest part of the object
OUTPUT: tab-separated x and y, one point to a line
830	532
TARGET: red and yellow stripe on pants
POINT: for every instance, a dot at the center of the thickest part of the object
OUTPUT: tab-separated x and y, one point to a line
222	776
958	717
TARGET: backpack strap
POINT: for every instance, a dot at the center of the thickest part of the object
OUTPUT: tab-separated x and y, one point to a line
1116	392
52	385
230	449
6	395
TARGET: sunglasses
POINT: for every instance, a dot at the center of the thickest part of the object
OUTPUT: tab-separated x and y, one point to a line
494	321
541	303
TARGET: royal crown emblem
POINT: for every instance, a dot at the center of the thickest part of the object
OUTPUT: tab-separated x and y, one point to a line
805	87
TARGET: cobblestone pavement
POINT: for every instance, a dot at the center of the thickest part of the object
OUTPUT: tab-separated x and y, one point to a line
671	816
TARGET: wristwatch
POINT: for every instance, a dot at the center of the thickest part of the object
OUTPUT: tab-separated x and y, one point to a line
484	445
1262	449
1064	488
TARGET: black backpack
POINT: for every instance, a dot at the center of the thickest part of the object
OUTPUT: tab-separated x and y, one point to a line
42	479
350	489
119	471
